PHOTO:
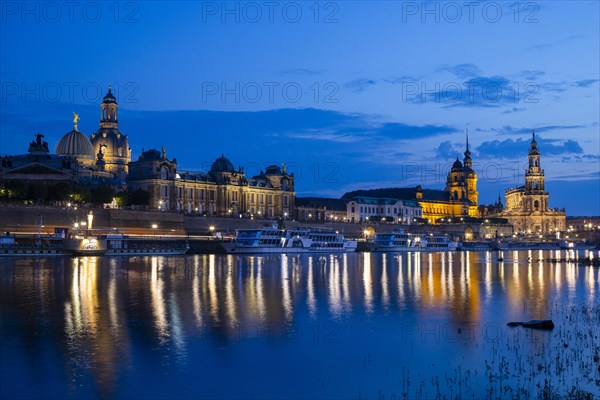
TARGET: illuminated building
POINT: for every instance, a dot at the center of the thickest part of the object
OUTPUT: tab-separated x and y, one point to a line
224	190
527	206
459	197
108	141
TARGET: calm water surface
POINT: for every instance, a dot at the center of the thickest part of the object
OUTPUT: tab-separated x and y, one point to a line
368	326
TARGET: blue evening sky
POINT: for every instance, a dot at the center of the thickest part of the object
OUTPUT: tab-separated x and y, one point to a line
347	94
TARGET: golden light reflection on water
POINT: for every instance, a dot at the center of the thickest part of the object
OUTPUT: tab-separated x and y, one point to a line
212	288
196	293
81	311
367	283
335	296
385	294
230	300
401	294
94	322
345	287
158	301
285	285
181	298
310	289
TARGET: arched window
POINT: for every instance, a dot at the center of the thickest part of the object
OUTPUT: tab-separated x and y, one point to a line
536	204
164	173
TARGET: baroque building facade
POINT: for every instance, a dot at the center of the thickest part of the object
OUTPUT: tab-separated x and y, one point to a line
105	159
224	190
361	209
527	206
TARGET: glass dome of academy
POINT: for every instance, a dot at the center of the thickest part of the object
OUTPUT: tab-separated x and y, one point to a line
105	158
76	145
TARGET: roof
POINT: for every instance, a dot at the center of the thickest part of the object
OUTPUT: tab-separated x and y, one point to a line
399	193
109	98
326	202
222	164
75	144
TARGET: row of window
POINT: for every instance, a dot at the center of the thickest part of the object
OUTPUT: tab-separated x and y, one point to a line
233	196
395	210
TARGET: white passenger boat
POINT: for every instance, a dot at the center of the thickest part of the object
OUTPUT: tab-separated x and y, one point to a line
402	241
299	240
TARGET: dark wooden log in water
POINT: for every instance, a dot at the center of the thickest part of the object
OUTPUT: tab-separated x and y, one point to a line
543	324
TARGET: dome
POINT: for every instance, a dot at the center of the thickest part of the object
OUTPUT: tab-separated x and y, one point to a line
457	164
75	144
111	137
222	164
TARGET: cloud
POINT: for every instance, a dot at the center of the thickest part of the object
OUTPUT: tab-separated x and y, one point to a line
510	130
508	148
585	82
447	151
475	92
360	85
461	71
513	110
531	75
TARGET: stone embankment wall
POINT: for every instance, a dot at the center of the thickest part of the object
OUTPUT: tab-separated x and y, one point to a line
26	219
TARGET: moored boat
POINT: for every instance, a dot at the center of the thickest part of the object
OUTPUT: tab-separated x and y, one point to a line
400	241
298	240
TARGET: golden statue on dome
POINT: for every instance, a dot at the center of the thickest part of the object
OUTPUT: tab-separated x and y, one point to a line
75	120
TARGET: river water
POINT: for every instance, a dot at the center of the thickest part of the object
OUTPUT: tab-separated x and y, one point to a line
352	326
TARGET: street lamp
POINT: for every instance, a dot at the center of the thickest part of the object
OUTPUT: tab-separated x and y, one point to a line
154	227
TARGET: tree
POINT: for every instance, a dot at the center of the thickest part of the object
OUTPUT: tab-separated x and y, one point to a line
37	191
59	191
140	197
122	198
81	194
16	190
102	195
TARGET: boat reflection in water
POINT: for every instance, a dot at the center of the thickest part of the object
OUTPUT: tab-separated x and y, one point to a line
323	325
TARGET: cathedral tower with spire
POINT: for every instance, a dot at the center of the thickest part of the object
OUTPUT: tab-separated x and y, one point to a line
470	175
461	186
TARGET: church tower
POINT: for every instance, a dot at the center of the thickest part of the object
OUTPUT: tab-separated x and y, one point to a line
536	198
470	174
527	206
109	141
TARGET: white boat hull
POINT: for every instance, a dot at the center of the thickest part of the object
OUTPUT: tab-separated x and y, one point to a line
234	248
394	249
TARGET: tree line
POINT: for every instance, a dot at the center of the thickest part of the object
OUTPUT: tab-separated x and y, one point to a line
60	192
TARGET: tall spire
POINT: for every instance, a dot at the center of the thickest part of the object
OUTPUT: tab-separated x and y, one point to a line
468	163
467	134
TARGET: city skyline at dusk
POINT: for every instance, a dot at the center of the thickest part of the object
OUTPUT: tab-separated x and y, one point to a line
342	110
